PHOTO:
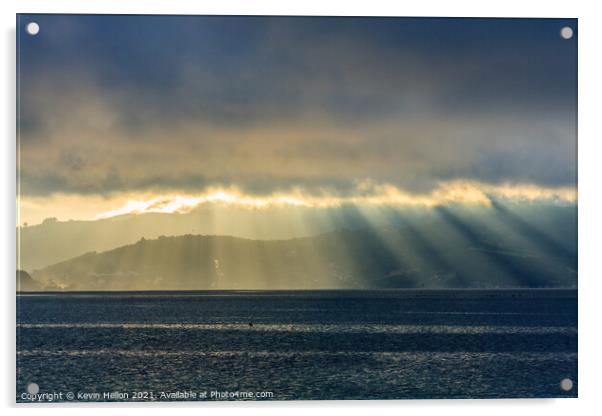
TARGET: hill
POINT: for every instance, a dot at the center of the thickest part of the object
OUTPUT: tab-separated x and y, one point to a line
56	241
451	252
25	283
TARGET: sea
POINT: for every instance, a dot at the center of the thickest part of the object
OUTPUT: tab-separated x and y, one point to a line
296	345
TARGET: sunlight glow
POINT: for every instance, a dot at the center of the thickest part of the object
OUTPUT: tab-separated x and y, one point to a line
368	193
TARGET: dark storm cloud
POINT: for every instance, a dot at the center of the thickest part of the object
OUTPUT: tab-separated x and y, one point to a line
114	103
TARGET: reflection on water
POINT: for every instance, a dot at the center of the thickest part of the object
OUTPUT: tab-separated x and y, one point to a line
303	345
329	328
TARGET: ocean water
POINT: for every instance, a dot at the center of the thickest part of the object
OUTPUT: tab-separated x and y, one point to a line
302	345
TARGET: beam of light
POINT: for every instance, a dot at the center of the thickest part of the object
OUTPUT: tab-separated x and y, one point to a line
515	272
367	193
534	235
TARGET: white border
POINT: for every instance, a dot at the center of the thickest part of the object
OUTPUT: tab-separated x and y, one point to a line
590	66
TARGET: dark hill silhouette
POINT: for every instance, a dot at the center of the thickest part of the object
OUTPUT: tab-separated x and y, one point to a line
25	283
454	251
53	241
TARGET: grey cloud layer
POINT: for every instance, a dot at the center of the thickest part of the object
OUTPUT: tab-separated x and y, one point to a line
274	104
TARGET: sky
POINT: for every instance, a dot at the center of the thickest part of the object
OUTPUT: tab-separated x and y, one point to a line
134	114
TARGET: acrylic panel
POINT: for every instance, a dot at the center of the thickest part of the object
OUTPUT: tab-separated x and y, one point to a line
295	208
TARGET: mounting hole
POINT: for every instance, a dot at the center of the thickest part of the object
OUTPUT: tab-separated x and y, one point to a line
566	384
32	28
566	32
32	388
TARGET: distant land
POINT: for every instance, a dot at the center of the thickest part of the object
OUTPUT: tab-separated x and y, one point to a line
447	252
54	241
25	283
